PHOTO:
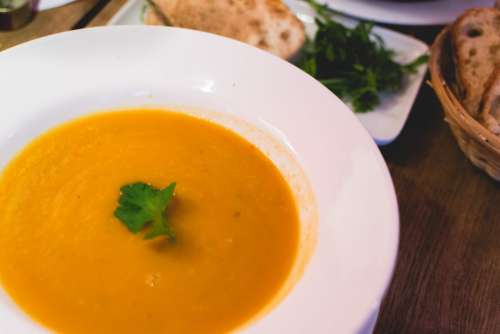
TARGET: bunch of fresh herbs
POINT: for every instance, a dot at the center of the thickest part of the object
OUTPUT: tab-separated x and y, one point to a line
353	63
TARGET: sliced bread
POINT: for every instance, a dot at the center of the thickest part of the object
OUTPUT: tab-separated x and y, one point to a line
476	43
267	24
152	17
490	112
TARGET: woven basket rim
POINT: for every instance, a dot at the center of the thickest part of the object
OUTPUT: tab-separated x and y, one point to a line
456	112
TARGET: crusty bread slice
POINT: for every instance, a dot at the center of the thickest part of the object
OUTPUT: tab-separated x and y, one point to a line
476	43
490	112
153	18
267	24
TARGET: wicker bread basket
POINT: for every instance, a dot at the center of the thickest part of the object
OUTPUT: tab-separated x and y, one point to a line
480	145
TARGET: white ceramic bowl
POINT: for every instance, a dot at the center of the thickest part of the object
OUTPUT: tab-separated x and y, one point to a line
53	79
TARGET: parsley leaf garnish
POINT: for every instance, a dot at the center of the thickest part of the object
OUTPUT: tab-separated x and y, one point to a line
353	63
141	204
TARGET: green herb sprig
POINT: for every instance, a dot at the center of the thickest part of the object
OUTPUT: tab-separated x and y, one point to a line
142	204
353	63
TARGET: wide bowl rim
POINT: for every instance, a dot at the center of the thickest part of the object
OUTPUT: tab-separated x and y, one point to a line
379	163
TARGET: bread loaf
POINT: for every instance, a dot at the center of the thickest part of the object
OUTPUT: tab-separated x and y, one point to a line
476	44
267	24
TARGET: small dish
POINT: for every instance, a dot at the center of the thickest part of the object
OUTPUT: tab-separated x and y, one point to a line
358	228
15	15
416	12
386	122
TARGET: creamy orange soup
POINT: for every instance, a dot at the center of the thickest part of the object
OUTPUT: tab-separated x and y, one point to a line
73	267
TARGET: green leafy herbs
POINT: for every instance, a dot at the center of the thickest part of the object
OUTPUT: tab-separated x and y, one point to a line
353	63
141	204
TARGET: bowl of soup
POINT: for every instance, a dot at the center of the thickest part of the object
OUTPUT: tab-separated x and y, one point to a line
172	181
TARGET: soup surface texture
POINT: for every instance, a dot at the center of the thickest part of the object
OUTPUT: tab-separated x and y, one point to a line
75	268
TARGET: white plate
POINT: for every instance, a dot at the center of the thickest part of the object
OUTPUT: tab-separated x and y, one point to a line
388	119
49	4
418	12
56	78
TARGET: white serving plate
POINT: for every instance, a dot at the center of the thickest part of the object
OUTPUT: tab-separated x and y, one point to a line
430	12
50	80
386	122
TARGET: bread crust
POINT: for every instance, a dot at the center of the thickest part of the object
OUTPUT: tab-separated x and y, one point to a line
267	24
151	17
476	45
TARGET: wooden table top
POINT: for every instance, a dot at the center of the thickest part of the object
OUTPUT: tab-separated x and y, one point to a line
447	277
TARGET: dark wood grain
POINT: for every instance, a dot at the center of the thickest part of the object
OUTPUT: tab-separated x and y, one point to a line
447	278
